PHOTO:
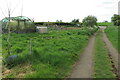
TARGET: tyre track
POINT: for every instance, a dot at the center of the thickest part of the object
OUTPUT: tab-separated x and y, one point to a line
113	53
84	67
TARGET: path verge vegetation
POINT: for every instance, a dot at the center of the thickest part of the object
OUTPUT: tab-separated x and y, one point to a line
102	64
112	34
104	24
53	54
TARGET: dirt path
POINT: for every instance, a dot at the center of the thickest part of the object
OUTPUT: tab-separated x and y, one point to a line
112	51
84	67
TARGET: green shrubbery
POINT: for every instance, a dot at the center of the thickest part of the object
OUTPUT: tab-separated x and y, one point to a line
52	54
116	19
112	34
89	21
102	64
104	24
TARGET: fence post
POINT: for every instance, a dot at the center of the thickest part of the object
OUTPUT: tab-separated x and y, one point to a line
30	46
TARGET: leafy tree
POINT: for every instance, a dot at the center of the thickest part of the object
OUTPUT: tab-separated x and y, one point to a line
75	21
89	21
58	20
116	19
106	21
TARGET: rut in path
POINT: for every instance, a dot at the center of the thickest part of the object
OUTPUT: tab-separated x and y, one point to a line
112	51
84	67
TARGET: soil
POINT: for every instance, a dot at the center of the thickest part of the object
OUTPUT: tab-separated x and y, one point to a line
84	67
112	51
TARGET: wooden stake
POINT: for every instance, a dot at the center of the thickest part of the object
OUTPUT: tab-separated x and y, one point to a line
8	41
30	46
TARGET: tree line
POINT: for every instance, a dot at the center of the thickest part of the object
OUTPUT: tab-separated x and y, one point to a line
88	21
116	19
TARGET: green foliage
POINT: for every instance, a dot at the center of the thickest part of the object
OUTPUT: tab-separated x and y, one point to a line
52	54
116	20
65	24
103	66
112	34
58	21
89	21
105	24
75	21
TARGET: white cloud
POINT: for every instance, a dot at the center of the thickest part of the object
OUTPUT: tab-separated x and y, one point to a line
66	10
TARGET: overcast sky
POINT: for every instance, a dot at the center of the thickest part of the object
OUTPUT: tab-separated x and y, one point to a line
65	10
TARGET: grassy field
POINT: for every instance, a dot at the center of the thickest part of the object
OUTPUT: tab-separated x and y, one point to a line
105	24
53	54
112	34
102	65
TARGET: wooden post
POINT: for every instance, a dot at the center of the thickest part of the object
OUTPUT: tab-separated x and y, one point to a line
25	26
18	27
30	46
8	41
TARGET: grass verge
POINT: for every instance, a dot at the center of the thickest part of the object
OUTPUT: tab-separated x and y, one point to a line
112	34
105	24
103	66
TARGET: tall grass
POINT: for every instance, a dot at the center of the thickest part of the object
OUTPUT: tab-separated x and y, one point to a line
52	54
112	34
105	24
102	65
